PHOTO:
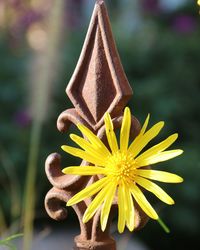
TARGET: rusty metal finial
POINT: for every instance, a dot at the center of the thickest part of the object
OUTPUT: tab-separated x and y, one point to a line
98	85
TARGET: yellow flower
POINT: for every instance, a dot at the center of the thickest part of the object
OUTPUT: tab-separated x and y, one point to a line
122	169
198	2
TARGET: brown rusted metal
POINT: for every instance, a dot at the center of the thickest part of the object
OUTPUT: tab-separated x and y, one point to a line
98	85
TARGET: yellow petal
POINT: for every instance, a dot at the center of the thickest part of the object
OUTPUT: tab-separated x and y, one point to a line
110	134
121	210
85	170
107	206
95	204
155	189
159	147
159	175
88	191
144	127
88	147
130	215
93	138
160	157
125	129
143	202
83	155
140	135
135	148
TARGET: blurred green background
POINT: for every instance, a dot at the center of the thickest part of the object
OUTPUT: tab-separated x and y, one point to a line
40	42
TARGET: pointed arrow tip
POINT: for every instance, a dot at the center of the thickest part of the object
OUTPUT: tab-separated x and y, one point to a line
100	2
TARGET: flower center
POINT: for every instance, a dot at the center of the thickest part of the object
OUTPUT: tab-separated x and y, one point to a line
121	166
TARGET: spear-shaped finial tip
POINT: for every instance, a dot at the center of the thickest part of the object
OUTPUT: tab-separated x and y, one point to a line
99	2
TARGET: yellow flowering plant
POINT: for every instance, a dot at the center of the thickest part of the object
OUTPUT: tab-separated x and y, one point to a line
124	170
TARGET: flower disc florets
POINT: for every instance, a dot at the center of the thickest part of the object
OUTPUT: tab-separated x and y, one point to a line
121	167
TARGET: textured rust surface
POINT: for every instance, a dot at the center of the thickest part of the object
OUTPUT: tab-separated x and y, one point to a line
98	85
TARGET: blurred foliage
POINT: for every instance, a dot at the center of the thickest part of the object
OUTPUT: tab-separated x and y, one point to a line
7	242
161	59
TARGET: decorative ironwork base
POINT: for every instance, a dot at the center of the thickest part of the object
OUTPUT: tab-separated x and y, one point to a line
105	244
